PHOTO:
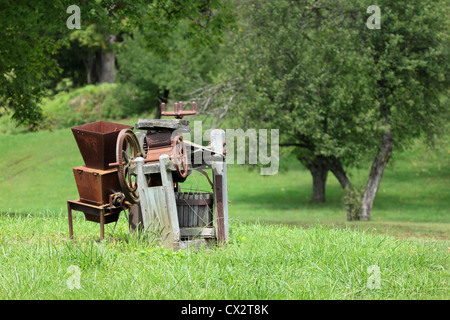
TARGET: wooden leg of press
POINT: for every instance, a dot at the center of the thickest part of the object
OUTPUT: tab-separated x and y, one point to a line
69	216
102	224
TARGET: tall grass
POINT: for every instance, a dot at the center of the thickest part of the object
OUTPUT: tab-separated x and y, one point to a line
260	262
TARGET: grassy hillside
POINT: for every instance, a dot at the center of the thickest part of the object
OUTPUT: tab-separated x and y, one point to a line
277	249
413	200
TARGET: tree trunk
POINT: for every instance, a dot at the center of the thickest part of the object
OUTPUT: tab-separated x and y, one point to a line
336	167
319	167
319	181
89	66
107	63
107	68
376	173
319	173
164	98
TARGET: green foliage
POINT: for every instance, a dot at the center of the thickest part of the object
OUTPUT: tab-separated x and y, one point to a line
78	106
27	45
32	33
127	100
184	67
204	22
410	62
8	125
92	103
352	202
74	106
307	81
316	72
91	38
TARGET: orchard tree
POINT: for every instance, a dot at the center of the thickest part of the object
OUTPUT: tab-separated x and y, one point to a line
410	63
295	70
338	90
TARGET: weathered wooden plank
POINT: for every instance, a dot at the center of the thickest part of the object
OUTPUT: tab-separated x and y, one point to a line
142	186
211	212
148	124
167	182
179	208
206	213
149	168
225	201
220	187
185	211
219	221
159	208
203	211
193	232
197	201
191	210
195	208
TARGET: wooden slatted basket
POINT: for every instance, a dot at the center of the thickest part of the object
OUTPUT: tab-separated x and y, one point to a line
195	209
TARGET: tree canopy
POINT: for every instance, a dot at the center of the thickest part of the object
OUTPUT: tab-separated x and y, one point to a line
27	46
338	90
32	32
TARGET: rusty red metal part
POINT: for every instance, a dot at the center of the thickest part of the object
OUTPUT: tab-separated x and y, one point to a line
178	110
160	142
180	157
97	142
94	186
127	149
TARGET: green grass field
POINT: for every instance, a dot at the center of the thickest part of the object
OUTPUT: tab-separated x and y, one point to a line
282	246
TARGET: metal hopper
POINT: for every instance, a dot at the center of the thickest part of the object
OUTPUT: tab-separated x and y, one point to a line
97	143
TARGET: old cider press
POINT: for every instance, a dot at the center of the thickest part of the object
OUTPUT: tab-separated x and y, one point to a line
142	172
